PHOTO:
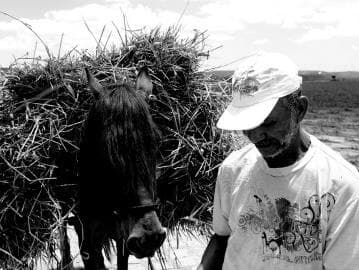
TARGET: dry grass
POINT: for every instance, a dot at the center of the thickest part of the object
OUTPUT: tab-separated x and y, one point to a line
41	114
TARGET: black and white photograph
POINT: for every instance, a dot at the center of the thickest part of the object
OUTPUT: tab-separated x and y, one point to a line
189	135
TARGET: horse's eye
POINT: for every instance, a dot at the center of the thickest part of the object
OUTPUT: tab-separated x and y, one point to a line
152	97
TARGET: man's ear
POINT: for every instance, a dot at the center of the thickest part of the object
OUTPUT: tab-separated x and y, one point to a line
302	107
144	82
94	85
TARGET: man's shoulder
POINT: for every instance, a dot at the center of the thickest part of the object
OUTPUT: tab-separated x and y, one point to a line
333	158
335	173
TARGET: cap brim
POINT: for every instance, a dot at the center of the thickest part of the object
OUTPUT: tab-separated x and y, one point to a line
246	117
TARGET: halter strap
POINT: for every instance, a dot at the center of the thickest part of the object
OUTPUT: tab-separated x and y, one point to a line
143	207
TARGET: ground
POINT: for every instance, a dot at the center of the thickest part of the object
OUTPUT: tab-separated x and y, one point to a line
182	252
333	115
338	128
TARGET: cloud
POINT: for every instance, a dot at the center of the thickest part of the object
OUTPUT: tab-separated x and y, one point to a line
308	19
323	33
225	20
15	37
18	43
333	21
347	28
261	41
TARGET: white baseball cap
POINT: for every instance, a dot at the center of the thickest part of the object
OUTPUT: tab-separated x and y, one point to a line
258	82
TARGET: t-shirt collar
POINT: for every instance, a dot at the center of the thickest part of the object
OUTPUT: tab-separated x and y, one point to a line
283	171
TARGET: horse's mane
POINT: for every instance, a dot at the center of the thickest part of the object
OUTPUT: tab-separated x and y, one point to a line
119	144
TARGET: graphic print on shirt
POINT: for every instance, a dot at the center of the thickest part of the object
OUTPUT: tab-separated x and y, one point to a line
286	229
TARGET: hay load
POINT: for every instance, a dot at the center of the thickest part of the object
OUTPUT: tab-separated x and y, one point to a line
42	110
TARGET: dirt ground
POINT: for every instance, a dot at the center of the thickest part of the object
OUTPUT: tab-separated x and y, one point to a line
338	128
183	252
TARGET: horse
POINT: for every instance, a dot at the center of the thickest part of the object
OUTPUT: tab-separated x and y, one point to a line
117	168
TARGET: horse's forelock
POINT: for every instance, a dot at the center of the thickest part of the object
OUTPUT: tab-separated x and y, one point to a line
127	137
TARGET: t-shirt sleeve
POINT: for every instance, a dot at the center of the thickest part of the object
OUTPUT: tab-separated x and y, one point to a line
342	241
221	204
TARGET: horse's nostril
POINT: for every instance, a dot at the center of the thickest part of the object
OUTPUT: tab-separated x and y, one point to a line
146	245
133	245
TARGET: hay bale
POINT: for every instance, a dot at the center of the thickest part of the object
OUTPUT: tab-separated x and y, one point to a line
40	128
34	134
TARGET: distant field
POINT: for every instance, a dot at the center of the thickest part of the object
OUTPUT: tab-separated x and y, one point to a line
308	75
333	115
328	94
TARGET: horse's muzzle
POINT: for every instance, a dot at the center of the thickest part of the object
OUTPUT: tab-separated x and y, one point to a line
144	244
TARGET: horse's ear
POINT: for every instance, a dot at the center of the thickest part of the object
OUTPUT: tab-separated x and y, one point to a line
95	87
144	82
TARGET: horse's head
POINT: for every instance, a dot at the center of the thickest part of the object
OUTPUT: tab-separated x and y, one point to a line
118	163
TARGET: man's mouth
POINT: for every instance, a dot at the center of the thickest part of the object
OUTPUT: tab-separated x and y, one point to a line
263	144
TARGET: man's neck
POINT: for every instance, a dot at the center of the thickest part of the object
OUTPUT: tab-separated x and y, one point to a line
296	150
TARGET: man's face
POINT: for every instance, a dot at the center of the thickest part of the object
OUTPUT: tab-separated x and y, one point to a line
276	133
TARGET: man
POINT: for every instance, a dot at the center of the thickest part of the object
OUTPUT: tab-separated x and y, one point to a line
285	201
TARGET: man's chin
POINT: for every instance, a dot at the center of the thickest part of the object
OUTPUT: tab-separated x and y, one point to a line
270	152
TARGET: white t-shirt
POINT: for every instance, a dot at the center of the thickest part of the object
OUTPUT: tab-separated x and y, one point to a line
304	216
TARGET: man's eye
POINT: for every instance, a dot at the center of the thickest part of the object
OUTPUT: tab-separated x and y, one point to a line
269	123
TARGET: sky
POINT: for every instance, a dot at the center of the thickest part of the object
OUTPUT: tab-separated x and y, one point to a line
315	34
